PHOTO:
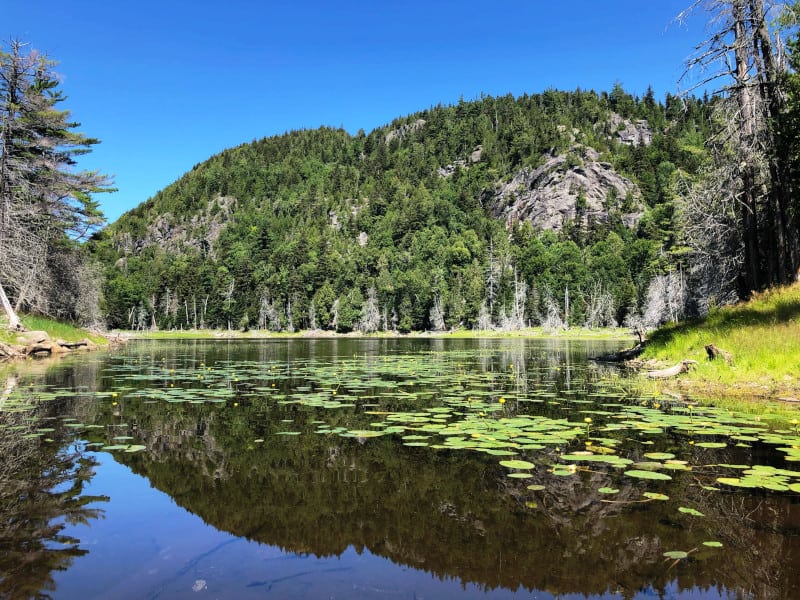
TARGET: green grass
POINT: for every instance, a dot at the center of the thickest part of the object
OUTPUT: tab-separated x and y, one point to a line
55	329
763	335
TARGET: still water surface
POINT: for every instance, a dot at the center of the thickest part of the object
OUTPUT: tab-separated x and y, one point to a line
349	468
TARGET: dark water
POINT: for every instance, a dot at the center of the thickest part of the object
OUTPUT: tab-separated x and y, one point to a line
246	487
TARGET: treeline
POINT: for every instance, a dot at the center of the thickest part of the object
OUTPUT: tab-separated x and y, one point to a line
394	229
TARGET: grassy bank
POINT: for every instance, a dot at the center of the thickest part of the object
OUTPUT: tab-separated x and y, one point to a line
54	329
763	337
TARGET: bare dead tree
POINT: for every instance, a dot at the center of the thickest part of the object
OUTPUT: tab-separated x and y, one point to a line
552	320
599	307
203	313
492	269
289	316
335	314
746	58
666	299
269	317
520	298
710	215
312	316
370	312
484	320
437	314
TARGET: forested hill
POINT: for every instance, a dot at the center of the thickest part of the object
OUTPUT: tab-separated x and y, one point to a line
499	212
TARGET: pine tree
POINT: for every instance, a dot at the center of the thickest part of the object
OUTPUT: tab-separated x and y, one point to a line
43	198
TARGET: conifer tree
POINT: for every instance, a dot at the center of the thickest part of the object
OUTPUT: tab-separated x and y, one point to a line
44	200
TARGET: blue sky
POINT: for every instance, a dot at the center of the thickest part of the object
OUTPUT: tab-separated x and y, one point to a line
167	84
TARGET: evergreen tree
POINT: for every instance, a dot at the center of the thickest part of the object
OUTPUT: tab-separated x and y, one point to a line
44	202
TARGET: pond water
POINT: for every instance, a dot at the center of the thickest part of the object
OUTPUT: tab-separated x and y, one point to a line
384	468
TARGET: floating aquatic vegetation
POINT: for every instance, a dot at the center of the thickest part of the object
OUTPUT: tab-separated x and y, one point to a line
640	474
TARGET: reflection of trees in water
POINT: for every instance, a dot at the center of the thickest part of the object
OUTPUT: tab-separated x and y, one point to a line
458	515
41	492
453	514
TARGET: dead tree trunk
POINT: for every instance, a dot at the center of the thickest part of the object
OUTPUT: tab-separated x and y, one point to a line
749	195
13	320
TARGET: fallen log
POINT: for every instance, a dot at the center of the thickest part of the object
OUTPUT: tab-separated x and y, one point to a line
682	367
8	352
73	345
716	352
623	355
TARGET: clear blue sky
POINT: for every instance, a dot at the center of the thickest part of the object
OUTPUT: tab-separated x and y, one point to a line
167	84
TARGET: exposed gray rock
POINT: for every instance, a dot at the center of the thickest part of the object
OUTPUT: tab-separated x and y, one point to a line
405	130
570	187
474	157
632	133
180	234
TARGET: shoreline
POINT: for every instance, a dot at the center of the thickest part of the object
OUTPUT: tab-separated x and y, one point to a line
531	333
756	388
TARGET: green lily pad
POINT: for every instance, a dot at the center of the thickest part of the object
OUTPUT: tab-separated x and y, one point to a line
690	511
639	474
655	496
517	464
659	455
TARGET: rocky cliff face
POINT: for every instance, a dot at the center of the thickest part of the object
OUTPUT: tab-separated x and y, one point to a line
180	234
572	187
631	133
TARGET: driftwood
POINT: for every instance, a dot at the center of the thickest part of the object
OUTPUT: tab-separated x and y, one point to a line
682	367
715	352
7	352
73	345
623	355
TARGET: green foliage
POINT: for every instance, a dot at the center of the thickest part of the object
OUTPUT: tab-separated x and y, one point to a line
302	220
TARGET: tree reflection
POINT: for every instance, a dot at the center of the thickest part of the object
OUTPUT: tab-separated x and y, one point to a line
42	480
457	515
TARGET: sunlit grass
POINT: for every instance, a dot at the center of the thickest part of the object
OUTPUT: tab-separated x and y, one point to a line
55	330
763	336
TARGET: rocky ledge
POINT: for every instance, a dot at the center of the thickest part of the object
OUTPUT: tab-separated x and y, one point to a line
38	343
572	187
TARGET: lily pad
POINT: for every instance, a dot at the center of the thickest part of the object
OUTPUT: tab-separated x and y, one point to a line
517	464
639	474
690	511
655	496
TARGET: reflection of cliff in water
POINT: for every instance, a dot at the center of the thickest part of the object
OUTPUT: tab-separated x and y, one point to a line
41	491
457	514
